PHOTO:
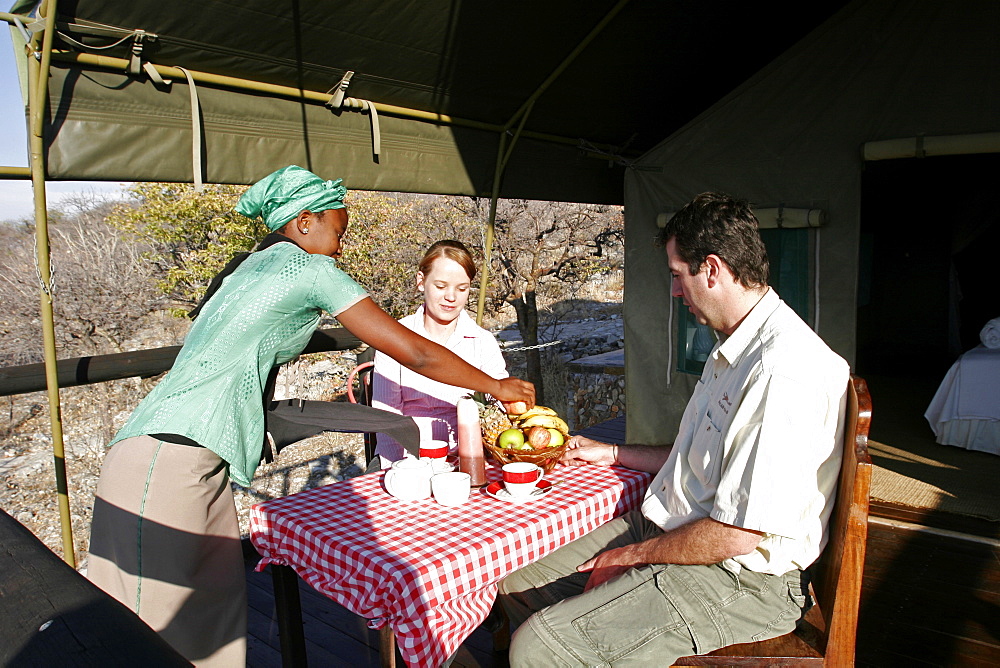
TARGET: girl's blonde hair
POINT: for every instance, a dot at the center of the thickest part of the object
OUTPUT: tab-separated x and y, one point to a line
451	249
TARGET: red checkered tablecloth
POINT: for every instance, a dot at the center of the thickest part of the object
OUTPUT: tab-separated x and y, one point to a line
430	571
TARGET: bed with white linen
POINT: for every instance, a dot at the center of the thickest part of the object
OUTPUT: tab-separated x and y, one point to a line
965	410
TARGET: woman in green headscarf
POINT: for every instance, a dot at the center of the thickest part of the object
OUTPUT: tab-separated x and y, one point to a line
165	539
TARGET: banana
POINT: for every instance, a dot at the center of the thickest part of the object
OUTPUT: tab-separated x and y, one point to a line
548	421
537	410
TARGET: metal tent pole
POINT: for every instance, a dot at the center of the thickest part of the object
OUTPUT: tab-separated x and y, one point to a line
14	173
484	274
503	156
38	69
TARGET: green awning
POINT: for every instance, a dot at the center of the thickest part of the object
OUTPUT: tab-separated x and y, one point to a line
600	82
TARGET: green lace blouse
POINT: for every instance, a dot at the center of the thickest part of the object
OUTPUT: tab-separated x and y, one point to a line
263	315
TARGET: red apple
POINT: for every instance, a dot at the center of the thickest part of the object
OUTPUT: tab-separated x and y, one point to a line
538	437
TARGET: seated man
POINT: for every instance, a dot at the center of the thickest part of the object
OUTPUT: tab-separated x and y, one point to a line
739	503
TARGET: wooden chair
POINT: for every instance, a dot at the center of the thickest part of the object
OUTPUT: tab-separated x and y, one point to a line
826	635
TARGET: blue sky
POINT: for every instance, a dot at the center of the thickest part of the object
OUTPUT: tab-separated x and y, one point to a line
16	196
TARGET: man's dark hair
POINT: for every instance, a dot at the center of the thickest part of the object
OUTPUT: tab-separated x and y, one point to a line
717	224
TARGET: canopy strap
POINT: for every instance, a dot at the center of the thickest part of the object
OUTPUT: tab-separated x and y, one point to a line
136	65
376	131
28	31
357	104
338	102
614	155
135	59
195	133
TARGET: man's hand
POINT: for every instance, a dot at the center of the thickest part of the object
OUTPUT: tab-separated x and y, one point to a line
702	541
604	567
581	450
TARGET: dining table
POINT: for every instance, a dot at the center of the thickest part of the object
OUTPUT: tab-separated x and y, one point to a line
426	571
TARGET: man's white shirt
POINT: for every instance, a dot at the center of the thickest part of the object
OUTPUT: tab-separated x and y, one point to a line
761	441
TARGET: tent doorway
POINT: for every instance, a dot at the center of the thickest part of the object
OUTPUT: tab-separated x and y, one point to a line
929	240
930	231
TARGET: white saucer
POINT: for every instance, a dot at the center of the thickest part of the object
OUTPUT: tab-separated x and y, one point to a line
441	466
498	492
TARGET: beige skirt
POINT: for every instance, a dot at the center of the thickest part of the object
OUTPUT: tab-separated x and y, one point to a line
165	541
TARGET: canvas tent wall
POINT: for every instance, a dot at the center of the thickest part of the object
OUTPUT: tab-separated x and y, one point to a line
794	135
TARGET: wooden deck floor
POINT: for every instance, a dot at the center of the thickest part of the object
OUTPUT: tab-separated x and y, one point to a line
930	598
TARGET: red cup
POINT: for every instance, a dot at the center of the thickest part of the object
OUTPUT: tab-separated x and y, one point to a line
521	478
434	449
521	473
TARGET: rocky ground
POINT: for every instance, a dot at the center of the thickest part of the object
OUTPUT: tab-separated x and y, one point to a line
92	414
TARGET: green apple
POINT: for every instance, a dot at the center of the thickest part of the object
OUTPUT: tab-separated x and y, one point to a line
557	438
510	439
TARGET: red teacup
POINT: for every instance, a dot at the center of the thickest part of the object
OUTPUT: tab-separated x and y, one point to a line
522	472
434	449
521	478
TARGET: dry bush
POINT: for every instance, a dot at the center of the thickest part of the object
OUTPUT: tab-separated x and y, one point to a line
102	288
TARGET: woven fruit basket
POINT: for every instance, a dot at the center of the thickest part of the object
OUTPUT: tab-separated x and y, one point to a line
494	420
545	458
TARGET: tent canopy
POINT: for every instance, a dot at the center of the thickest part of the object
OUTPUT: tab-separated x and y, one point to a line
601	82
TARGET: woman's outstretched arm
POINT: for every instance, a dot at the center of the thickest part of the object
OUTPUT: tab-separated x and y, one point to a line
378	329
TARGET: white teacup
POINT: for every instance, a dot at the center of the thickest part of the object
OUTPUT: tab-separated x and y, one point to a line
451	489
409	479
521	478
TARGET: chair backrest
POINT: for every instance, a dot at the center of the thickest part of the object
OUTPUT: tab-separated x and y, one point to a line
364	369
363	372
837	574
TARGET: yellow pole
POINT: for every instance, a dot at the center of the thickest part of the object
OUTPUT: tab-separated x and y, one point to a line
37	95
503	156
15	173
491	228
207	78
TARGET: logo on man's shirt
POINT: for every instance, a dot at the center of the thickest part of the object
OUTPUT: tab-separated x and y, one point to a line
725	406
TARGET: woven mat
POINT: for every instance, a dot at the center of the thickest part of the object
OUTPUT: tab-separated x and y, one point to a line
938	477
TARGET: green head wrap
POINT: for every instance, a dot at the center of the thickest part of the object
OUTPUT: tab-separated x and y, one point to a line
279	197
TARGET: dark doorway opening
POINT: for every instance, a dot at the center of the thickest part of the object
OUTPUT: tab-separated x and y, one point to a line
927	284
929	262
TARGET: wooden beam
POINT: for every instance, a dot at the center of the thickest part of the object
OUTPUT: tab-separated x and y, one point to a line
138	363
50	615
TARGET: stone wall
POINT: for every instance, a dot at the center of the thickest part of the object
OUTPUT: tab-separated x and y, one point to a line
596	397
596	389
584	374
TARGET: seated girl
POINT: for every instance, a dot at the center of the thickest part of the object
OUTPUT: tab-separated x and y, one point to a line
445	277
